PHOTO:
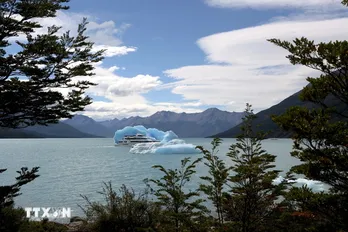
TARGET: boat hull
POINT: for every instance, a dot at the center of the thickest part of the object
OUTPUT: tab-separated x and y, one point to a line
130	140
133	143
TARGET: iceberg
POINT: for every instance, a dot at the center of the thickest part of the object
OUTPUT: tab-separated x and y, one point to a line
169	142
315	185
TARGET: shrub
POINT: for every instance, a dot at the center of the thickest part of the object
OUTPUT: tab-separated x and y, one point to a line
123	212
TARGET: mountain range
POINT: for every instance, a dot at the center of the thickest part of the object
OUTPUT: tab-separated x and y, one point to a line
183	124
209	123
264	123
60	130
206	123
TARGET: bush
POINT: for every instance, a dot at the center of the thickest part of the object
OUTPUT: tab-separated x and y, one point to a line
123	212
43	226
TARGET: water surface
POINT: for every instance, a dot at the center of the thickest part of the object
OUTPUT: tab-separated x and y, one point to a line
70	167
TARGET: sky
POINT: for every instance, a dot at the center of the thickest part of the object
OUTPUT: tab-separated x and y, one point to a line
190	55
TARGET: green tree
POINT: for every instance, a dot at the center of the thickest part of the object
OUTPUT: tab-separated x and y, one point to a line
182	209
30	78
321	134
217	178
305	210
253	194
10	220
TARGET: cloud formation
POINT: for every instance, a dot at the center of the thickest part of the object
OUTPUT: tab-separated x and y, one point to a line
112	86
111	51
134	105
244	67
106	35
122	96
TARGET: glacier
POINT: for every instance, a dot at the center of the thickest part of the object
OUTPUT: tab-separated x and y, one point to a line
169	141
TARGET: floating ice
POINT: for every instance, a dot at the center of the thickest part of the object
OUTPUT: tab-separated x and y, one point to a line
175	146
315	185
169	141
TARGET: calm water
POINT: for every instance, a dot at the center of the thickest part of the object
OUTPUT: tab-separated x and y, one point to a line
70	167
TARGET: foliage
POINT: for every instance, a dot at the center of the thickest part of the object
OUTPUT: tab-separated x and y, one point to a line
11	219
43	226
253	194
218	174
321	134
8	192
182	211
305	210
320	208
31	79
124	211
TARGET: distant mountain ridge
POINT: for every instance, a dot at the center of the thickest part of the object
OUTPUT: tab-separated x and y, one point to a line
265	122
90	126
184	125
16	133
60	130
208	122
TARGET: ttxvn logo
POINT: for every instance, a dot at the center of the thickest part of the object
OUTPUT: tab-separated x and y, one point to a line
40	212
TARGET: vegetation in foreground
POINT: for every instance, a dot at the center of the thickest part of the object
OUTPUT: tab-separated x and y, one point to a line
244	196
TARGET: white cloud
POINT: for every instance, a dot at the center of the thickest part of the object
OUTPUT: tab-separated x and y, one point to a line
303	4
245	67
125	95
102	33
185	104
113	86
106	35
113	68
249	46
137	84
133	106
111	51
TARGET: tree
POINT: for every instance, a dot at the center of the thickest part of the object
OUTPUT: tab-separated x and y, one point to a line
10	220
321	134
253	194
30	79
181	209
305	210
217	178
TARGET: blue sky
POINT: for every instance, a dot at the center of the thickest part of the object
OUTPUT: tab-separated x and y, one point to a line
189	55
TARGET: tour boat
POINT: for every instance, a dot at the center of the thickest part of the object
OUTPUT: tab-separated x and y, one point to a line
134	139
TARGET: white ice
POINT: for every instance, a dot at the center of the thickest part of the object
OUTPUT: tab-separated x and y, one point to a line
316	186
169	141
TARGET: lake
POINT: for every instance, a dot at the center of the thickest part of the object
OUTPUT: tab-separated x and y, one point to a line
70	167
